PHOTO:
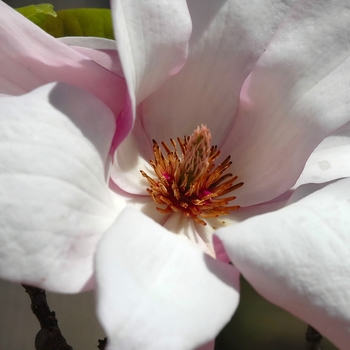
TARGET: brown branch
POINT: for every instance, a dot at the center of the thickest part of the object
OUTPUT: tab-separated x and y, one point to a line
102	344
49	337
313	339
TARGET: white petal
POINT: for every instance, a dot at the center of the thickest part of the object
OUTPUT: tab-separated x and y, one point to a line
54	200
133	155
196	234
155	291
228	37
330	160
244	213
297	95
152	38
299	258
90	42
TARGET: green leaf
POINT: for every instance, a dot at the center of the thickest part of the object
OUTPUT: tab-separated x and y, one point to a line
38	13
75	22
32	10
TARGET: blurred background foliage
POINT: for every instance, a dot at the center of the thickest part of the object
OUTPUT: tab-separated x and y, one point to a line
71	22
256	325
259	325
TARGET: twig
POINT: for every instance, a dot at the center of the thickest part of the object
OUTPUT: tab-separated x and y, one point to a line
102	344
313	339
49	337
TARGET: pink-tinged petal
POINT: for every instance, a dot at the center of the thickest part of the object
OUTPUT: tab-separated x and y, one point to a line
29	58
102	51
54	200
208	346
130	158
297	95
228	38
152	38
155	291
299	258
329	161
90	42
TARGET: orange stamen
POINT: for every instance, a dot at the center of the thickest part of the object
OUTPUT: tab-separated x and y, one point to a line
191	184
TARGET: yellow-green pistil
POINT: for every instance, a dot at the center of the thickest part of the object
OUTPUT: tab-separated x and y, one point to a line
192	184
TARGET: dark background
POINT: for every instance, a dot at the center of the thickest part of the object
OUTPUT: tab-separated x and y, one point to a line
61	4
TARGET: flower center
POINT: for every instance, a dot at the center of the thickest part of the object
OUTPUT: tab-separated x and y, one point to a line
191	183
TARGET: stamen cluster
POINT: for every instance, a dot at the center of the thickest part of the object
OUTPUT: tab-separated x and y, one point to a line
191	183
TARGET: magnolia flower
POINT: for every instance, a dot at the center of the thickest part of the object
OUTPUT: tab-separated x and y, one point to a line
262	82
